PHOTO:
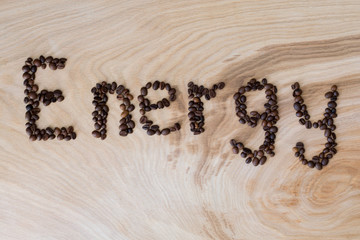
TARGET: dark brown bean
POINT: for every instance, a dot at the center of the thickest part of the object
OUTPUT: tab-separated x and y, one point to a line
165	131
318	166
52	66
327	133
311	164
156	85
96	134
262	160
297	106
150	132
143	91
60	137
235	150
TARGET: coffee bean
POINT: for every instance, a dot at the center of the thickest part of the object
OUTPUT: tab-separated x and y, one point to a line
263	160
52	66
33	68
172	91
150	132
221	85
297	106
325	162
32	95
299	114
60	137
165	131
332	104
235	150
148	85
48	59
311	164
273	129
328	94
156	85
172	98
37	62
26	75
318	166
255	161
165	102
327	133
26	68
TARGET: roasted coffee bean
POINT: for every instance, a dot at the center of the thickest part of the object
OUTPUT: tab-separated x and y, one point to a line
52	66
172	91
165	131
37	62
221	85
147	86
26	75
26	68
150	132
32	95
299	114
48	59
273	129
60	137
318	166
311	164
248	160
328	94
297	106
325	162
235	150
262	160
165	102
156	85
33	69
327	133
172	97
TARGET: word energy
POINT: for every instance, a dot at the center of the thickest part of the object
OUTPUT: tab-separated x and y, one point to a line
196	94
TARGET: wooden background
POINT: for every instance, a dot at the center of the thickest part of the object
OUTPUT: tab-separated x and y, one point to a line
179	186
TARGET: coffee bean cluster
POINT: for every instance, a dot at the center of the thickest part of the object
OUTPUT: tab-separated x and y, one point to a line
101	112
326	124
269	119
147	106
196	106
33	99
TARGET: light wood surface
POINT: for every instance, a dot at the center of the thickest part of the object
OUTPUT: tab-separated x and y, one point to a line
179	186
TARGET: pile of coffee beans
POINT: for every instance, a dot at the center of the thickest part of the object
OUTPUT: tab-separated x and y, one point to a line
326	124
102	110
147	106
33	99
269	119
196	106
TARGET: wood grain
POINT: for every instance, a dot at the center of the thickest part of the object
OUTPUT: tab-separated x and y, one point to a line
179	186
